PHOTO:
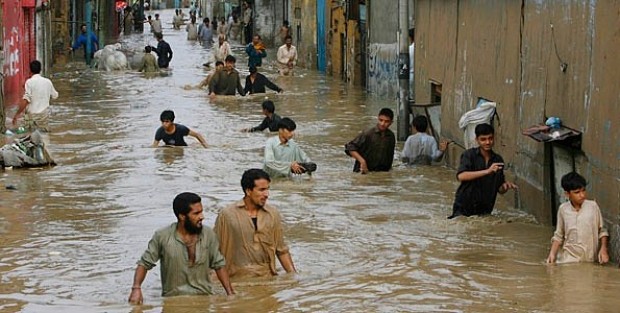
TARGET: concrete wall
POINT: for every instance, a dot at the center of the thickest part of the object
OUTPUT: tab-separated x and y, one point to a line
508	52
382	76
304	30
265	23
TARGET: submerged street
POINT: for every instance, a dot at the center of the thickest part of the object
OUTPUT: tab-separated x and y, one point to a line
70	235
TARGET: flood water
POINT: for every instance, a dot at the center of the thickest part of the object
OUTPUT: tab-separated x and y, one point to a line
70	236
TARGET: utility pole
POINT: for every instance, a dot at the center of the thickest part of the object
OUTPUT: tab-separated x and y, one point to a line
88	14
403	71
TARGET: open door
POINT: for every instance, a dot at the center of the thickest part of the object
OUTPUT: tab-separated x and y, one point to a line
320	29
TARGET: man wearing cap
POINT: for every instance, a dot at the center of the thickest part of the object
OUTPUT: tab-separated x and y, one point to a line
256	83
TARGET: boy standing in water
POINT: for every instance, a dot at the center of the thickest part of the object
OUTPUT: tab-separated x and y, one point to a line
172	133
481	175
580	226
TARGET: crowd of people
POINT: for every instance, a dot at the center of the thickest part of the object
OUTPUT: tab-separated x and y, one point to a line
248	234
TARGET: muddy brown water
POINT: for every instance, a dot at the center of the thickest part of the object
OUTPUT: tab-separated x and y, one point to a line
70	235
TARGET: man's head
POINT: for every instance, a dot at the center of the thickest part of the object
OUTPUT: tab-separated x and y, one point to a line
156	16
286	129
285	23
385	118
255	185
167	119
206	21
485	136
420	123
256	39
35	67
574	186
187	208
288	40
159	36
230	61
148	49
253	70
83	28
268	107
219	65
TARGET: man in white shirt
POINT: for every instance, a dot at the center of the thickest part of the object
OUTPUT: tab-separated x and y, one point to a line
283	157
36	100
287	57
421	148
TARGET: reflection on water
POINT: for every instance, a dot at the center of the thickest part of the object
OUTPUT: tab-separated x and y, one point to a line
70	235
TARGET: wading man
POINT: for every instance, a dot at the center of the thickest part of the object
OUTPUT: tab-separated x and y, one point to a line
188	252
270	121
227	81
172	134
481	175
250	231
373	149
36	101
283	156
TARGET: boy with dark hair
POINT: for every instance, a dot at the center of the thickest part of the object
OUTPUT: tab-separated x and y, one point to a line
421	148
580	226
373	149
271	120
282	154
149	62
481	175
172	133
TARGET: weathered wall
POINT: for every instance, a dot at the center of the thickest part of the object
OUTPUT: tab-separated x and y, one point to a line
382	76
265	23
304	28
19	48
509	52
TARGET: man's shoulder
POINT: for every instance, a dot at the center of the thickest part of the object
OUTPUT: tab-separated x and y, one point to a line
272	141
165	231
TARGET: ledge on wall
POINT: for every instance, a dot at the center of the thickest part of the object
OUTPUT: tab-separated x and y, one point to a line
562	135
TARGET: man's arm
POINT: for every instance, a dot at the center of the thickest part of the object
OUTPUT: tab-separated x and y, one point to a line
135	297
248	85
603	256
22	106
282	167
361	160
287	262
222	275
155	144
351	149
198	136
272	86
555	246
239	87
472	175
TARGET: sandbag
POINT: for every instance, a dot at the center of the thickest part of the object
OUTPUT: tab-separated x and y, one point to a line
26	152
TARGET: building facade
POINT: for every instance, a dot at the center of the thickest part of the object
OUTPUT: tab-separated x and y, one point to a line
535	59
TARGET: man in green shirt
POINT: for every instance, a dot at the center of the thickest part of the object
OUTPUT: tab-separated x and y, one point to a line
188	252
226	81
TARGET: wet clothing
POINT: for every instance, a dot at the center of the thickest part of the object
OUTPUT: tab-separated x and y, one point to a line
226	83
149	64
255	56
271	123
128	23
177	276
156	26
174	139
205	35
279	156
421	148
579	232
222	51
192	31
284	56
375	147
38	92
259	84
249	251
477	197
82	40
164	54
